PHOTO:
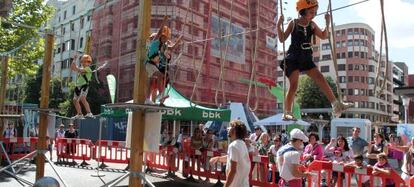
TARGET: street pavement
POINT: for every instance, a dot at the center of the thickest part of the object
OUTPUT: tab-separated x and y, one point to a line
74	176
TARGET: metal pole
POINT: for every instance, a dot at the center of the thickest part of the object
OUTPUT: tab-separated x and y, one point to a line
44	103
140	87
99	149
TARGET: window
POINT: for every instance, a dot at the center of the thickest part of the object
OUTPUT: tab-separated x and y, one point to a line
350	42
350	54
350	91
356	67
356	78
350	79
338	55
350	67
324	69
342	79
343	55
341	67
362	55
350	32
81	42
363	79
72	26
63	30
371	68
338	44
63	47
72	44
326	46
89	18
64	15
356	54
370	80
326	57
73	10
81	22
316	59
338	33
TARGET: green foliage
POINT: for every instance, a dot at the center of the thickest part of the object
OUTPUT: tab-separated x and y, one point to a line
34	84
27	12
310	96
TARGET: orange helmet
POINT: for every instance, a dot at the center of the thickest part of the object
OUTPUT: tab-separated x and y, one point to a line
166	32
305	4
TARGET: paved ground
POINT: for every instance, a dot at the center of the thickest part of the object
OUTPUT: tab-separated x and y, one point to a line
79	177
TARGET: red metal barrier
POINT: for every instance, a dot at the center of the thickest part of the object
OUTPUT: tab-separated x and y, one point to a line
79	149
346	173
18	147
111	151
167	158
262	173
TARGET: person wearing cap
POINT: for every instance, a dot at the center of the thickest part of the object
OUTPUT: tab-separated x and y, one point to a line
299	55
288	160
158	56
237	159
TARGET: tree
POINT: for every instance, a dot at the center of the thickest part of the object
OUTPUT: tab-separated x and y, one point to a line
310	96
56	95
32	13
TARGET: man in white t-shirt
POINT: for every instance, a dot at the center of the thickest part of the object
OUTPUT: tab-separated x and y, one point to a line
237	158
288	160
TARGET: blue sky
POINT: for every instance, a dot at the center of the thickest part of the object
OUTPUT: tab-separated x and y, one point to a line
400	27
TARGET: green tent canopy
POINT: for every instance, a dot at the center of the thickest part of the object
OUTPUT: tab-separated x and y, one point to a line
184	109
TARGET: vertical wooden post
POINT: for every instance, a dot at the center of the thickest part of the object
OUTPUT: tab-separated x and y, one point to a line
3	87
140	87
44	103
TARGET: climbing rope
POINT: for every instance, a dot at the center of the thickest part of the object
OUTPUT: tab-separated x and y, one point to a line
332	43
384	37
223	61
253	72
284	57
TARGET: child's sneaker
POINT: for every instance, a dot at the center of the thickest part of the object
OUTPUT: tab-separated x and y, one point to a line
78	116
288	116
339	107
89	115
149	102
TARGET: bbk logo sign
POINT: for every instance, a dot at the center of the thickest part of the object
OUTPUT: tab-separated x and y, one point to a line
175	112
215	115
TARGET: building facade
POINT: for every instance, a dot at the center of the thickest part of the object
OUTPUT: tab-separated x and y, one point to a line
411	106
114	40
400	79
357	71
71	24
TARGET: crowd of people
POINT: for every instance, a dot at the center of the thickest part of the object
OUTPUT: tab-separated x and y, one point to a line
297	148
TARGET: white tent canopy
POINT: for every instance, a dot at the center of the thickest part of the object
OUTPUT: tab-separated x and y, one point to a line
277	120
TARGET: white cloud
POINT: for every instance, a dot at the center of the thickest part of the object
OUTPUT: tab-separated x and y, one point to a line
399	22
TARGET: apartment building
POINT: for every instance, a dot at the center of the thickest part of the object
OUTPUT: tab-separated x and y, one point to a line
114	40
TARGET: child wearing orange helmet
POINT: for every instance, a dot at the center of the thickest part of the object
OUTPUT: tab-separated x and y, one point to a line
158	56
299	55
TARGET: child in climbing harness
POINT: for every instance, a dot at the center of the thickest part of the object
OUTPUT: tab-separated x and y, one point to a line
158	56
82	85
299	55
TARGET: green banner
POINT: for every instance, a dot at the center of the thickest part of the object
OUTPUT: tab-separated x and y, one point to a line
196	114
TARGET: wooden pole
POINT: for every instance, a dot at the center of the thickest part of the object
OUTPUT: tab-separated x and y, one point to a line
3	86
140	87
44	104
